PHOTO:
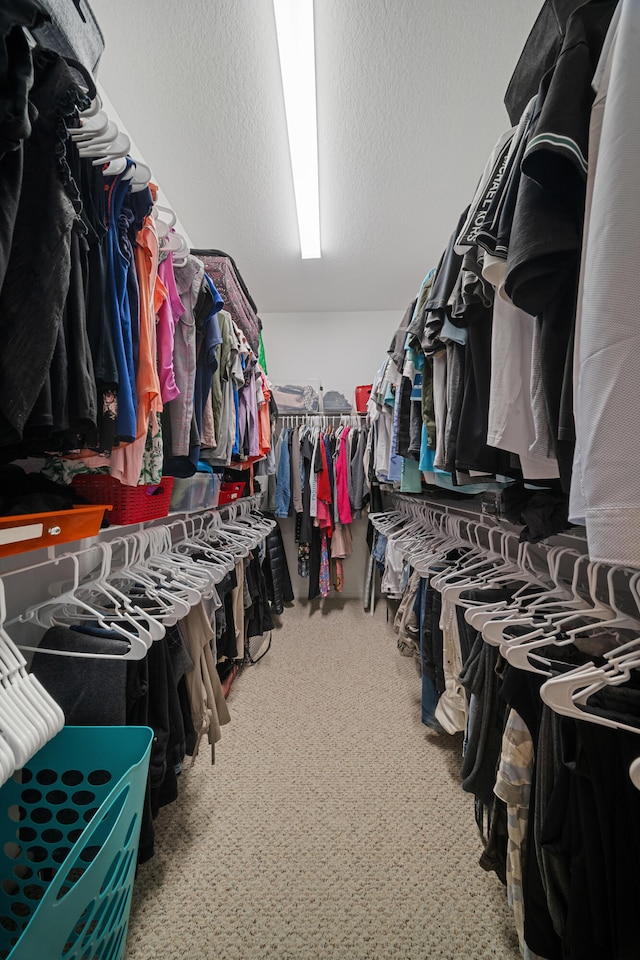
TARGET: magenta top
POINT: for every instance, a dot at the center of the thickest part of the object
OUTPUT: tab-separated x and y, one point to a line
342	480
168	316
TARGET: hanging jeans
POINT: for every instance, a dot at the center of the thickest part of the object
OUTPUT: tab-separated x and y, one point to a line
283	481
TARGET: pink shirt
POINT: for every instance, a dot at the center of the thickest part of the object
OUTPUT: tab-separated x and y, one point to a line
168	316
342	480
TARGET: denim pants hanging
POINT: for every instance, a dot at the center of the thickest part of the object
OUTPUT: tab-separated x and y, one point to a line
283	480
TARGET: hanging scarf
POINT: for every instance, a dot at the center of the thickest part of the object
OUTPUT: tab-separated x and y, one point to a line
325	575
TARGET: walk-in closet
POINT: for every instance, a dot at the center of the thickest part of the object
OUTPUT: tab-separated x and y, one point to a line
319	459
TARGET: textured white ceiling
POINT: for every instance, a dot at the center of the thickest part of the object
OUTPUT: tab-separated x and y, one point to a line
409	104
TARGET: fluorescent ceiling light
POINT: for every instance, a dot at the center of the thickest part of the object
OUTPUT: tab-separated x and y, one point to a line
294	25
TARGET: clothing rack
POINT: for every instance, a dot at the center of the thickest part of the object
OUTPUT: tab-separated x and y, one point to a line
24	561
575	537
32	574
320	477
611	584
479	610
575	543
96	568
417	505
612	588
323	420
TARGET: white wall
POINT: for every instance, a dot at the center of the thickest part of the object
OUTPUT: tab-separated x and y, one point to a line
136	154
342	350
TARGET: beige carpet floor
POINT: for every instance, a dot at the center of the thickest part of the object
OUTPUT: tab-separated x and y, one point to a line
333	824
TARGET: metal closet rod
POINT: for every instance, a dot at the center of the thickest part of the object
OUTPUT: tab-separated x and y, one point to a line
474	520
327	416
333	417
229	511
474	512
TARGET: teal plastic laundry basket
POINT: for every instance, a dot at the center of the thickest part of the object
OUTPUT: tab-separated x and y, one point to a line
70	825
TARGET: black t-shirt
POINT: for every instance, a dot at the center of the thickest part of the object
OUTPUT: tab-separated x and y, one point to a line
539	54
546	235
556	156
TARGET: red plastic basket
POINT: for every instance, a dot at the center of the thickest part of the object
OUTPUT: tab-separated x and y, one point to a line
362	397
130	504
230	492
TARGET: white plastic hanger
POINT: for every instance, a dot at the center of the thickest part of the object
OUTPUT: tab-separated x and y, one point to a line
171	606
217	566
537	612
91	127
99	143
183	596
200	574
517	650
32	704
176	244
94	107
406	535
141	176
224	557
264	524
119	147
560	621
387	521
504	570
517	654
17	665
628	650
566	692
476	557
239	538
620	620
532	586
184	577
431	555
87	146
116	167
470	572
248	532
28	715
226	539
208	525
562	596
114	614
23	706
8	763
44	615
163	227
18	728
101	587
